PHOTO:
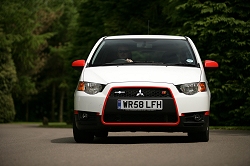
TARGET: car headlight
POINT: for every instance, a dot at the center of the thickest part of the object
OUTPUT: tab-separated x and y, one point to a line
90	87
192	88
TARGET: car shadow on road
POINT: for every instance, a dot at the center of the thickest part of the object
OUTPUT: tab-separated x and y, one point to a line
141	139
130	140
66	140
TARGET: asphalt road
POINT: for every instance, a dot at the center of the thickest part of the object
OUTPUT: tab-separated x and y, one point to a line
29	145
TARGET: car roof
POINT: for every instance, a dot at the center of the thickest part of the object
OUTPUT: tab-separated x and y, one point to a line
145	37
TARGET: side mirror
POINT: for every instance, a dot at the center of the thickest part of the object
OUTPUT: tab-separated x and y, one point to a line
209	64
78	64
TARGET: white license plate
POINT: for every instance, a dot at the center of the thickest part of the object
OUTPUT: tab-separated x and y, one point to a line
139	104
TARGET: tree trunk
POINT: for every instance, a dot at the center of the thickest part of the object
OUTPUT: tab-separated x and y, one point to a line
52	114
61	106
27	112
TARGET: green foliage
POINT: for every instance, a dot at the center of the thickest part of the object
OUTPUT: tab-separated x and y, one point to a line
98	18
25	24
20	25
221	32
7	112
7	79
220	29
57	71
39	39
7	73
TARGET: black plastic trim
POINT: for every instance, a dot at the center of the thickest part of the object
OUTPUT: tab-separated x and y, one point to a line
96	125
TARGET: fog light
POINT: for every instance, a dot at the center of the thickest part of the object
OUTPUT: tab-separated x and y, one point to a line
84	115
197	117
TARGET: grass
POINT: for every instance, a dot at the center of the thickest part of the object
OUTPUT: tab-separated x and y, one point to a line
50	124
230	127
57	125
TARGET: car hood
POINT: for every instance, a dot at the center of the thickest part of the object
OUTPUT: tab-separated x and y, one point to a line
167	74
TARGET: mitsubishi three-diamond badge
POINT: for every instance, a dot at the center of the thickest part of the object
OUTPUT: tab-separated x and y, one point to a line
151	83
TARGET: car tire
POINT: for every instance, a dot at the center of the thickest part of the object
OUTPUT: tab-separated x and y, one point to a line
81	136
101	134
201	136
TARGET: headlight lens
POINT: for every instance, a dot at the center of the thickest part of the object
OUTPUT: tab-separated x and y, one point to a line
92	88
192	88
89	87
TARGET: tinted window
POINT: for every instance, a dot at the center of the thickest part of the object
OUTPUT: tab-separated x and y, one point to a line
159	51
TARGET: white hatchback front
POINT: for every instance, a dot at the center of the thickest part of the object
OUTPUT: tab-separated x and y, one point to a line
142	83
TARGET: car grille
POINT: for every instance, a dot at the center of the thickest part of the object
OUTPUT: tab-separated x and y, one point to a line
141	92
140	117
168	114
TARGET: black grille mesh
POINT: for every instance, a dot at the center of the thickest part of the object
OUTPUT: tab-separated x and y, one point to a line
140	118
133	92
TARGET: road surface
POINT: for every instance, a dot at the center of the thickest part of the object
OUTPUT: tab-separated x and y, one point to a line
30	145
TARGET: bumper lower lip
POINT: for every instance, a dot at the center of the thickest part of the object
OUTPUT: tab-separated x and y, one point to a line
140	124
95	124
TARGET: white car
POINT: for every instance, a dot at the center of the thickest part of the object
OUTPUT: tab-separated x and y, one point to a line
142	83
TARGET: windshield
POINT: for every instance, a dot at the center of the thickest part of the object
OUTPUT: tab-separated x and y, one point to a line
173	52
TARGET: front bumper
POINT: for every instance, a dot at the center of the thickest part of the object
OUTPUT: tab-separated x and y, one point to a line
187	123
178	113
183	103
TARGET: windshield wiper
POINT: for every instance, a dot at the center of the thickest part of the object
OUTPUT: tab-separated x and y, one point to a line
134	63
147	62
181	64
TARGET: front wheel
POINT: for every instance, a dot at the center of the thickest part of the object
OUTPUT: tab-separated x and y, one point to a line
201	136
81	136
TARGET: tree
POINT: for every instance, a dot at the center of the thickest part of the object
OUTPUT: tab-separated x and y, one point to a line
23	41
7	79
56	73
98	18
28	20
221	31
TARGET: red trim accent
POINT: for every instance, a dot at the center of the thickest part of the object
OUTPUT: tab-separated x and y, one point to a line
211	64
138	123
78	63
75	112
205	113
